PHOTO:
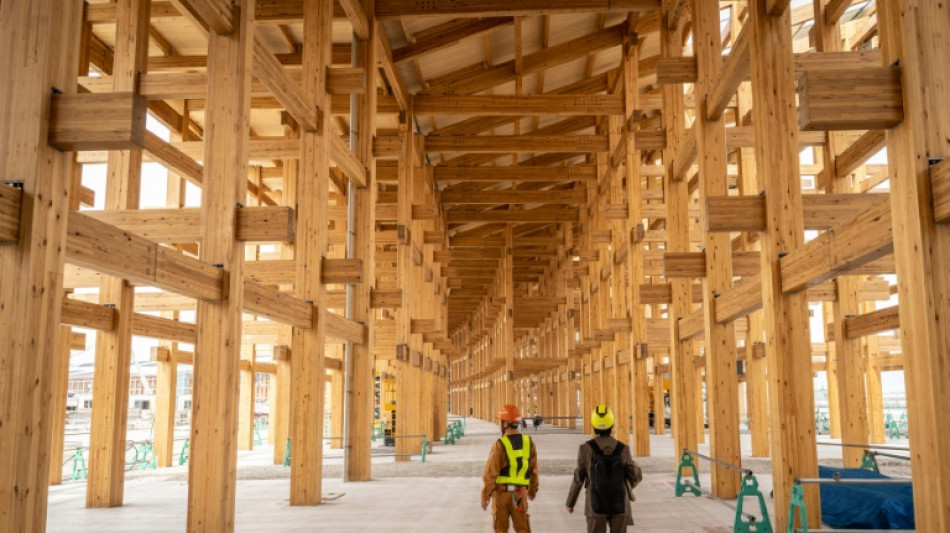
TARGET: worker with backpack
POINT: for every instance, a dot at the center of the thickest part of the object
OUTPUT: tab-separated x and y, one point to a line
606	468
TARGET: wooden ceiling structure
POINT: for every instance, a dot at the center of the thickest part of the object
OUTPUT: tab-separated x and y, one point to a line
494	201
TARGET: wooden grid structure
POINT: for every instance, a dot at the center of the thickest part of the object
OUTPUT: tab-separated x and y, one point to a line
589	202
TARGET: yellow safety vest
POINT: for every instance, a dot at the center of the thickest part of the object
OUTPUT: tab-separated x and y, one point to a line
517	470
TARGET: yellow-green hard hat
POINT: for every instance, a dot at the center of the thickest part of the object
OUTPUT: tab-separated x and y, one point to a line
602	417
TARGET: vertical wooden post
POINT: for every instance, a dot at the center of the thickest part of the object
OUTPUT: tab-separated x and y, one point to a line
246	400
307	388
58	397
874	386
212	465
404	273
789	346
336	406
110	391
166	384
914	33
722	399
357	458
508	321
757	388
280	409
38	49
676	193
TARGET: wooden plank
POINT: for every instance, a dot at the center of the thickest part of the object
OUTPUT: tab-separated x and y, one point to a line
87	315
109	121
740	301
348	163
518	143
855	155
173	158
871	323
387	9
279	306
344	329
683	69
693	264
544	214
855	99
155	327
10	198
382	299
514	105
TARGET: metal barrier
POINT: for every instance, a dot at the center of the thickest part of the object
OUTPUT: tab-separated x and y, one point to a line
425	447
869	459
798	502
744	522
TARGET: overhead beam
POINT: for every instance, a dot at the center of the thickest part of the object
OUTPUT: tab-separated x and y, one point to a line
544	214
854	99
287	91
448	34
571	196
518	143
516	105
388	9
254	224
683	69
210	15
734	71
871	323
107	121
515	173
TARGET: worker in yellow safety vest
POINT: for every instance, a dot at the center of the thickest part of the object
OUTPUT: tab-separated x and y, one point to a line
511	475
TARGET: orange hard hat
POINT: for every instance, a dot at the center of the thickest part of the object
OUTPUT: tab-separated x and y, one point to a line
509	413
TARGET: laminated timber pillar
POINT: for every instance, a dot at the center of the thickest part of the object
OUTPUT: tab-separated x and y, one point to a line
507	320
359	394
852	397
246	399
212	465
58	399
722	399
308	377
914	33
872	373
110	391
788	349
639	382
676	193
406	399
39	43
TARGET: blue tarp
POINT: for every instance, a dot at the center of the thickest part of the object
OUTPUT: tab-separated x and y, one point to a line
865	506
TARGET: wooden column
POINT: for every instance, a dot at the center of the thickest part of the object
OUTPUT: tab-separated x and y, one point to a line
212	463
39	43
110	391
405	398
676	194
357	458
246	400
166	385
788	350
58	397
508	347
874	387
307	387
722	399
336	407
914	33
757	388
852	397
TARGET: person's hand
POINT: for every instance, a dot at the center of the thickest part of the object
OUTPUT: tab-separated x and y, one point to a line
570	510
531	496
484	505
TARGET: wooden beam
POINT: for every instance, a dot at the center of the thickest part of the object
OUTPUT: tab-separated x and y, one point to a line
871	323
348	163
855	155
387	9
357	16
855	99
287	91
210	15
10	198
448	34
385	55
108	121
545	214
683	69
342	270
254	224
518	143
858	241
834	9
820	211
516	173
734	71
693	264
514	105
572	196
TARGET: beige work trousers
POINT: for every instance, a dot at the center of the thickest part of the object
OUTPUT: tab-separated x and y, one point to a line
503	509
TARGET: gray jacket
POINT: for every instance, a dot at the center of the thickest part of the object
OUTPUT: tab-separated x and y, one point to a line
584	455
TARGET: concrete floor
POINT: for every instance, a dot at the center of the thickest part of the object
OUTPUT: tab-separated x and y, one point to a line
404	497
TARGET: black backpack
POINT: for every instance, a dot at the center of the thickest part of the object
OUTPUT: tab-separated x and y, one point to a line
608	485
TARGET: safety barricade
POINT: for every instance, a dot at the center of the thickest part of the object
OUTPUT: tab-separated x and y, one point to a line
797	503
744	522
426	448
871	453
